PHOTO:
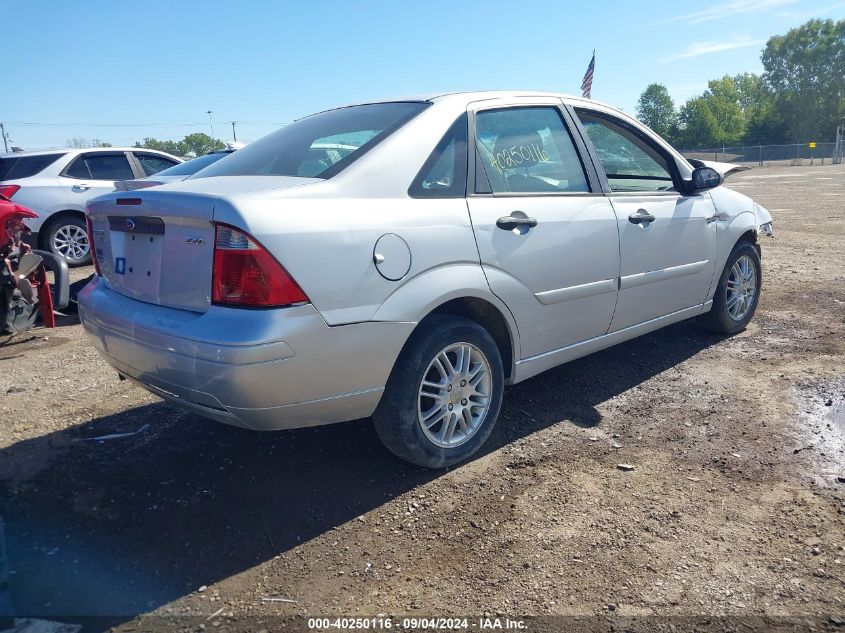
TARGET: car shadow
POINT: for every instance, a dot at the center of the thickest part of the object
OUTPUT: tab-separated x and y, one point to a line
120	527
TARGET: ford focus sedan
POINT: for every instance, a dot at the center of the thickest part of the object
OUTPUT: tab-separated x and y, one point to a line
405	260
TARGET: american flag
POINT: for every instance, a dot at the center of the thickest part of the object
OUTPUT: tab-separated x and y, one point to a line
587	82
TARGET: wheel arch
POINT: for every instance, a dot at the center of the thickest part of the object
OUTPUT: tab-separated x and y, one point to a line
52	219
468	295
742	228
486	315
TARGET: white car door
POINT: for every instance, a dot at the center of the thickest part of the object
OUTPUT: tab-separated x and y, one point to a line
667	238
546	234
94	173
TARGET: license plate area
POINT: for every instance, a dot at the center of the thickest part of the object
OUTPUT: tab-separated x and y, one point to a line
137	245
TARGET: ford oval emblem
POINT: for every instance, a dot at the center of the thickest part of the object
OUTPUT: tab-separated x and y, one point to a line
130	224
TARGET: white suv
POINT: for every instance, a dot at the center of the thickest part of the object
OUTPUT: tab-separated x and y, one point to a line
56	184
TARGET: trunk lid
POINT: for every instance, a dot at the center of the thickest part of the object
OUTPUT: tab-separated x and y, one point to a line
157	245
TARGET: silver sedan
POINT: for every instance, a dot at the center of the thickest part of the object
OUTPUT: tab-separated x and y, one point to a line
407	259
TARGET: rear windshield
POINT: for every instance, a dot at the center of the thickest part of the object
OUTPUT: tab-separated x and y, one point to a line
192	166
318	146
15	167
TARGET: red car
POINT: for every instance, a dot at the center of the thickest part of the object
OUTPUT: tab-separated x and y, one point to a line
24	288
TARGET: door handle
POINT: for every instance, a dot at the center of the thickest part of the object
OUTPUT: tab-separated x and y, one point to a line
510	222
641	216
82	187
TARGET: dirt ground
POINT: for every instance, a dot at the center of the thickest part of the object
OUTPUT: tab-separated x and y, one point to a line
735	505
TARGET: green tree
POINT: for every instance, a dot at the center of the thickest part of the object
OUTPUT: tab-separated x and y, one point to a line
176	148
200	143
805	70
657	110
723	99
727	111
763	123
196	144
697	123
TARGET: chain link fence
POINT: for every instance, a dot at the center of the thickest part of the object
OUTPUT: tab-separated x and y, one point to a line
761	155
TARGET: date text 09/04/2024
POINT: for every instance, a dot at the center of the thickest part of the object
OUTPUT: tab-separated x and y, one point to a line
416	624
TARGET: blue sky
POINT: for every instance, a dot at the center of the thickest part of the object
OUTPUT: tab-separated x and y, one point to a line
157	67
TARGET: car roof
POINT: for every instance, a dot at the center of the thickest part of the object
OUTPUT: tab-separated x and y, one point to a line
471	96
78	150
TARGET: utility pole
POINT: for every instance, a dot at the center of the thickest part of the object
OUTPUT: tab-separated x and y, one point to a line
234	134
211	123
5	140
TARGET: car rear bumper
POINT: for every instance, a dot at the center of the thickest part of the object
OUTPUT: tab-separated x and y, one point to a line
260	369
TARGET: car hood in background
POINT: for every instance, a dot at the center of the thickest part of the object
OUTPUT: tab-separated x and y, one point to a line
725	169
143	183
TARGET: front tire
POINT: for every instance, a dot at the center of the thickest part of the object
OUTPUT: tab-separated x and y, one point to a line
67	237
444	394
738	292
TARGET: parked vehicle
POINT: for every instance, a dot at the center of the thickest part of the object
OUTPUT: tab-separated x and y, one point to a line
177	172
56	184
25	290
467	242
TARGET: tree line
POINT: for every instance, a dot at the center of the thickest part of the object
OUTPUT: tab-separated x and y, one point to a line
196	144
799	97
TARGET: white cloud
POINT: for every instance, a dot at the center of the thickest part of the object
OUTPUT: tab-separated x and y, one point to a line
706	48
726	10
814	13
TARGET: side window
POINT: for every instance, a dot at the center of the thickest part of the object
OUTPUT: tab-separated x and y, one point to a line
153	164
109	167
527	150
631	162
78	169
444	174
15	167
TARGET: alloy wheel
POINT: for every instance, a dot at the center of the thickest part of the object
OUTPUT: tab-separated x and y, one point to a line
741	288
71	242
454	395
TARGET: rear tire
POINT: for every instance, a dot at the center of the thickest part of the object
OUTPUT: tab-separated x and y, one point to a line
67	237
444	394
738	292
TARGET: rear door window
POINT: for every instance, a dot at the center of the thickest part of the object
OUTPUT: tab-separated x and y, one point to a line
14	167
444	174
101	167
152	164
527	150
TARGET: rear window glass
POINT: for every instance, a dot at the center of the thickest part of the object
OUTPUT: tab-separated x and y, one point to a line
192	166
318	146
13	167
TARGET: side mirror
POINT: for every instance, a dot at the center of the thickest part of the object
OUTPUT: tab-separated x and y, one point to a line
704	178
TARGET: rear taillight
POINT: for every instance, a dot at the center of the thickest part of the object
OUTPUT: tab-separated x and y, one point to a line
245	274
91	247
9	190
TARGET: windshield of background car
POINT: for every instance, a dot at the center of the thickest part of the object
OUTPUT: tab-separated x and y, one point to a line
318	146
191	166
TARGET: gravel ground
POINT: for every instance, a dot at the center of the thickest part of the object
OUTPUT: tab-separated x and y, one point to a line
735	505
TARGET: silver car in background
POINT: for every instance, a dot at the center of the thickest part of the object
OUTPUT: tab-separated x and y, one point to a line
176	173
406	260
57	184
